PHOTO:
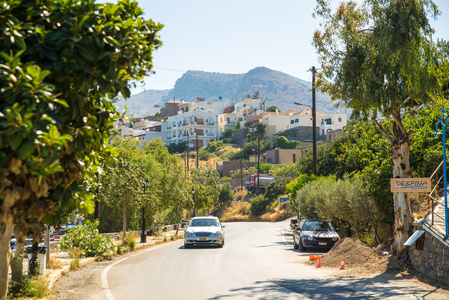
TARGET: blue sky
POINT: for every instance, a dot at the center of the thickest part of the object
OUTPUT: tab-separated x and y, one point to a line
235	36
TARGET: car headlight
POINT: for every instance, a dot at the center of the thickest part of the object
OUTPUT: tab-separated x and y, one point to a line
308	237
335	238
217	234
189	234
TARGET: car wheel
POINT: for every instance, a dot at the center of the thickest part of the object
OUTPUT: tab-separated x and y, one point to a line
301	246
221	245
295	245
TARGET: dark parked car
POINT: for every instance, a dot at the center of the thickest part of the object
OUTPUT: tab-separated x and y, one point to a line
314	234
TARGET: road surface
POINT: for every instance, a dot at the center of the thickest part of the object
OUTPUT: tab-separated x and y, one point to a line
257	262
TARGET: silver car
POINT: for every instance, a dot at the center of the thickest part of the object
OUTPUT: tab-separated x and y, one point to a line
204	231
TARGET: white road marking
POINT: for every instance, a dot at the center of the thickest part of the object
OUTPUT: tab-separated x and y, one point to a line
104	274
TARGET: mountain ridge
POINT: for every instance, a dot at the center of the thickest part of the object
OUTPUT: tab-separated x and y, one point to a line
278	88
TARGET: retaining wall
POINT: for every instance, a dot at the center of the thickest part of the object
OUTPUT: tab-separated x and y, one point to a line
433	260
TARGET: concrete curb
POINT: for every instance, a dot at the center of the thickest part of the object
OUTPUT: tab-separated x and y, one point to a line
54	275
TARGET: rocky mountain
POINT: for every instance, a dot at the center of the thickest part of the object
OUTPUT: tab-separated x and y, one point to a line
277	88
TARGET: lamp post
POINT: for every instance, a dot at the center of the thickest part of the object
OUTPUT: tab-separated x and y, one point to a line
313	107
143	236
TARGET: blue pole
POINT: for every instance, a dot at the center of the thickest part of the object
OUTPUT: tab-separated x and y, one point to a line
444	125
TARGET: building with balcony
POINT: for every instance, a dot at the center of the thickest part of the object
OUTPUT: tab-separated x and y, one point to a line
191	126
227	120
250	106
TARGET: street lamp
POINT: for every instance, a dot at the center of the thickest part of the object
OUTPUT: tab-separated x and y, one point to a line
143	236
313	107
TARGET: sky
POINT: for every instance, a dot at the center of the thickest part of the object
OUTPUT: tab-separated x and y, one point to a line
235	36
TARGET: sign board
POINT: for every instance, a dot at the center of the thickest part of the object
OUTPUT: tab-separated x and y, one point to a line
284	199
410	185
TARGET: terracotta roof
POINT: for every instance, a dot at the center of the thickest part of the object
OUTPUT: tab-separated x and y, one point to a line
308	111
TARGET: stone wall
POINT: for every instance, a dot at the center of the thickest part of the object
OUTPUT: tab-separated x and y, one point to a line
433	260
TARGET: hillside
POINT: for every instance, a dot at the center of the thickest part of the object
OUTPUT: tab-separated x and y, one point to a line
277	88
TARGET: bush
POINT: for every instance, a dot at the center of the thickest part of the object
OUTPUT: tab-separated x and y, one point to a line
226	193
259	205
35	287
130	241
203	154
88	240
277	188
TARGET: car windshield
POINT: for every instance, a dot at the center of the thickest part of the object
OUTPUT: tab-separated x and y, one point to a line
317	226
204	222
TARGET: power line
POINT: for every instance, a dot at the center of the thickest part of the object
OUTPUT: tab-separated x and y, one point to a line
166	69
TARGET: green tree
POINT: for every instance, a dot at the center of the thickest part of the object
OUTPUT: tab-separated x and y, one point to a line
121	188
82	52
226	193
206	183
277	188
378	58
273	108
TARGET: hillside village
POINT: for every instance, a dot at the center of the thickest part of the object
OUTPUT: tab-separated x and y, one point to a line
198	123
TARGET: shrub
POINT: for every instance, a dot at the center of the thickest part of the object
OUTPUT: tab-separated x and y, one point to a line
74	264
130	241
226	193
54	264
35	287
259	205
277	188
203	154
88	240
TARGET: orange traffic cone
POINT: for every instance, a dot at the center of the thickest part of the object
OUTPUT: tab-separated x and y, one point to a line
342	265
311	257
318	265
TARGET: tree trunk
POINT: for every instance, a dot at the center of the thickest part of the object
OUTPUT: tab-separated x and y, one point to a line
124	222
6	231
17	260
177	220
402	211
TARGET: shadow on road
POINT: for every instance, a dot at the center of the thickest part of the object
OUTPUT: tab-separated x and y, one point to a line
379	287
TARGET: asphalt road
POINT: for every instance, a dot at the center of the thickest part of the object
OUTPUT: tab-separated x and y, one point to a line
257	262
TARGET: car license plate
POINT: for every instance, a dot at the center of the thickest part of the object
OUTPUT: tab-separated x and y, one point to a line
322	244
203	239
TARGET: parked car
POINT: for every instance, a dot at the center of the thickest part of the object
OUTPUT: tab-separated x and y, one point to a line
57	235
314	234
13	243
204	231
293	223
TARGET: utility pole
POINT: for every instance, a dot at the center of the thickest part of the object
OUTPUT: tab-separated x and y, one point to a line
197	163
188	158
241	173
314	118
258	166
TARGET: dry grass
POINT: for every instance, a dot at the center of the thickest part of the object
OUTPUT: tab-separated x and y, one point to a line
241	195
54	264
277	215
237	212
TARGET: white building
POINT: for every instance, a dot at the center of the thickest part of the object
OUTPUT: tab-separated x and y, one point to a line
332	122
189	125
250	106
227	120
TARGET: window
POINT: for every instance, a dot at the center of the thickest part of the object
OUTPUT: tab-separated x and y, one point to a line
296	120
339	119
294	158
292	121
